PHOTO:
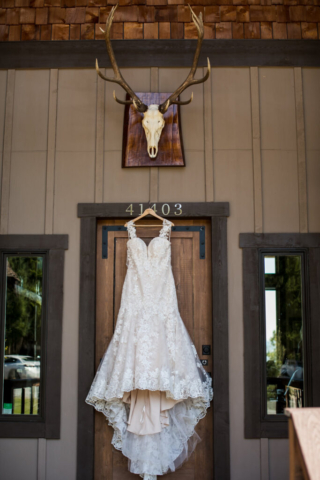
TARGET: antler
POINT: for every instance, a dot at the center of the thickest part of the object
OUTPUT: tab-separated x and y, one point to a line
118	78
190	78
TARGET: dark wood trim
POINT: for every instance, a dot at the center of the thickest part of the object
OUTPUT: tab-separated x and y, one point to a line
118	210
34	242
52	247
160	53
54	342
85	448
221	422
251	332
85	435
279	240
256	426
314	286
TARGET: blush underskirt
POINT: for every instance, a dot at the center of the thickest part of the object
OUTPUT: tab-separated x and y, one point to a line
148	411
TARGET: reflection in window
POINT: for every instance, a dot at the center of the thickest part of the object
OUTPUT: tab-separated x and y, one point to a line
284	332
22	334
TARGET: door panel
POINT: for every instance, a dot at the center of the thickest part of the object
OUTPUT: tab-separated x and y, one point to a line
193	284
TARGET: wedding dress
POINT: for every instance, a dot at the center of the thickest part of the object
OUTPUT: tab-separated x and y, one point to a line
150	384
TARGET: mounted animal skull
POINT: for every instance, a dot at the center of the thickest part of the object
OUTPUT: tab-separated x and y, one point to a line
153	120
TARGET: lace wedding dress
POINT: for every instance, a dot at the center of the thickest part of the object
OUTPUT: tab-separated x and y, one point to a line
150	384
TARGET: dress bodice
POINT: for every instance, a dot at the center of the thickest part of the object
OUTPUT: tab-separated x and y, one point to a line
152	258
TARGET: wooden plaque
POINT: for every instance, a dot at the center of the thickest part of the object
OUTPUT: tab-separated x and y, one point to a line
134	148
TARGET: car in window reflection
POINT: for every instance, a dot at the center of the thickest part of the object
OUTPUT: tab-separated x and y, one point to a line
20	367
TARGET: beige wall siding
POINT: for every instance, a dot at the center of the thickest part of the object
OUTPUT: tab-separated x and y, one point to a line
18	458
233	182
63	141
30	111
279	150
3	91
311	94
27	192
25	169
73	183
61	455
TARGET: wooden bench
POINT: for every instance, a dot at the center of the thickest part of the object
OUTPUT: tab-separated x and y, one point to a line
304	442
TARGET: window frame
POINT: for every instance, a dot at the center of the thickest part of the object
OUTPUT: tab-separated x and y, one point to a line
52	248
257	423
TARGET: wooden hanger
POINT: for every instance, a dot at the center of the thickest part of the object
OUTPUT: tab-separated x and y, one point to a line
148	211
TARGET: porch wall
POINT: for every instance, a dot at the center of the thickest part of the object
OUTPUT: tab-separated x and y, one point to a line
60	144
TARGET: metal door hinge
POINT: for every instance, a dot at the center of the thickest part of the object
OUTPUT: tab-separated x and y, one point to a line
105	230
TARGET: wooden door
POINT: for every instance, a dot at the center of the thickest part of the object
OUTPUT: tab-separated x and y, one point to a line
193	283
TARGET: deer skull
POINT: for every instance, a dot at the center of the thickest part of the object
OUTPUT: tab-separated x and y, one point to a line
153	121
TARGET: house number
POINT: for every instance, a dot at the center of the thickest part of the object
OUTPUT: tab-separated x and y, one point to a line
164	208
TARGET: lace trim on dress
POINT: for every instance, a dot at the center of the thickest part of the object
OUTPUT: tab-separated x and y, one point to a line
165	231
131	229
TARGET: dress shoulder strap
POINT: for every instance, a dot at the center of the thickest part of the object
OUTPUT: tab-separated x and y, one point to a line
131	230
165	231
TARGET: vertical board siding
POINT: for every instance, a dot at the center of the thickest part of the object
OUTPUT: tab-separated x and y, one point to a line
233	179
311	96
280	191
51	153
30	111
301	152
184	184
27	192
76	120
74	180
231	109
256	149
279	150
6	153
124	184
188	183
233	175
68	192
71	155
18	458
3	91
277	105
208	138
264	459
278	459
26	214
29	146
98	191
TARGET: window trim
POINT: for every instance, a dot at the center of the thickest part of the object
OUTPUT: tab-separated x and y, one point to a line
253	245
46	425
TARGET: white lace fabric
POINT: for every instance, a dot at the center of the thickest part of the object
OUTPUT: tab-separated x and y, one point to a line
151	350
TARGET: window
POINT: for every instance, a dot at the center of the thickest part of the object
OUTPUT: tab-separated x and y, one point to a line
281	287
23	334
31	281
283	331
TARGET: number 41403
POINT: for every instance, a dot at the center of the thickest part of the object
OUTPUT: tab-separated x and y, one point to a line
164	208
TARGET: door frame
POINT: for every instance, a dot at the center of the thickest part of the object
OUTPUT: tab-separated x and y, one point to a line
217	212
